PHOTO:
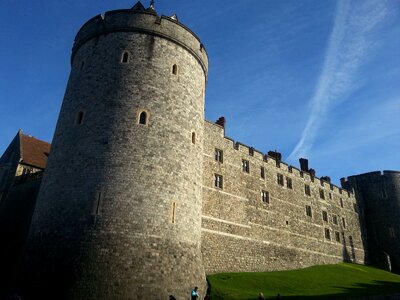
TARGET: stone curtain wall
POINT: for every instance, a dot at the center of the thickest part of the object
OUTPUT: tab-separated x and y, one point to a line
241	232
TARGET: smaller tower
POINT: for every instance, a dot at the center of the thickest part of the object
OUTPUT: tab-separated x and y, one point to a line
378	197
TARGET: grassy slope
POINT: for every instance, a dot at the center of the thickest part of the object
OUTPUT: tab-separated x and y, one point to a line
318	282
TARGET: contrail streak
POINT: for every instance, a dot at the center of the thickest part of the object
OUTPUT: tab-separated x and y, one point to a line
347	49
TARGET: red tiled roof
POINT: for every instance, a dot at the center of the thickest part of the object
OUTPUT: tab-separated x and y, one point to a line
34	151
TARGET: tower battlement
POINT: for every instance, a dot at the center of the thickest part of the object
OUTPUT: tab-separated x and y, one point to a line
144	22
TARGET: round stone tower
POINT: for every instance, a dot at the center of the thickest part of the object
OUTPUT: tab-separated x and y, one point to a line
119	211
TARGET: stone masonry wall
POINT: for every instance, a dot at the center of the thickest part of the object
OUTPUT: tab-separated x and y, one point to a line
241	232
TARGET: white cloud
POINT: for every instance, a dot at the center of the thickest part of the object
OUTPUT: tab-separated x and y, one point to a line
349	46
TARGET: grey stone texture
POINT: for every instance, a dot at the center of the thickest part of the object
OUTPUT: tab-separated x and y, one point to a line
119	210
378	196
131	211
241	232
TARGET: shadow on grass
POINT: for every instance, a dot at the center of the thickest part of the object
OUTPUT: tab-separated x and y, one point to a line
358	290
378	288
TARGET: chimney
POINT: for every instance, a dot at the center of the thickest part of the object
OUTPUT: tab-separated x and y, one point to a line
221	122
303	164
344	183
326	178
276	155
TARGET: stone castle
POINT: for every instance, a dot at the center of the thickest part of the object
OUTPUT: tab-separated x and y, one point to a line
142	197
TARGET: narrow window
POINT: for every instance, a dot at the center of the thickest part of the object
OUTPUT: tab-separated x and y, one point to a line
173	217
334	219
262	172
289	183
307	190
341	202
82	65
279	178
175	69
308	211
218	181
355	207
327	234
245	166
337	236
193	137
143	118
219	155
125	57
79	118
325	216
392	234
344	223
384	194
97	203
321	194
265	196
330	196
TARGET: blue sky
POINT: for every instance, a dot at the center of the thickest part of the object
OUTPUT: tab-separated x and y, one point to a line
309	78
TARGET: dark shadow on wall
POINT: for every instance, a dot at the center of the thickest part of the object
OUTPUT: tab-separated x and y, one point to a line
345	253
15	219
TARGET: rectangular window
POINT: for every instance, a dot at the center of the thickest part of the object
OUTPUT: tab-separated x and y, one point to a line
219	155
245	166
355	207
26	171
341	202
307	190
289	183
321	194
337	236
280	179
262	172
218	181
344	223
325	216
334	219
327	234
265	196
330	196
308	211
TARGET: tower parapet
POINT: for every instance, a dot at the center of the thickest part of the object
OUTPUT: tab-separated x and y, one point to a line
144	22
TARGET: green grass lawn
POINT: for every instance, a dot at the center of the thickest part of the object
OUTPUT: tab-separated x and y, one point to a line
318	282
